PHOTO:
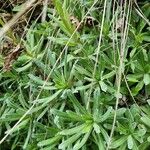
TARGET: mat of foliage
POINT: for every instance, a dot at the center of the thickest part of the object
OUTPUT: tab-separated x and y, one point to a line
72	106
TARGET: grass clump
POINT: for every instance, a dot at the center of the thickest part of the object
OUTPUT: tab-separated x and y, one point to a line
78	77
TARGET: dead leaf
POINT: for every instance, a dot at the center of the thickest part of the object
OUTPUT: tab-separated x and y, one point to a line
75	22
120	24
13	55
90	21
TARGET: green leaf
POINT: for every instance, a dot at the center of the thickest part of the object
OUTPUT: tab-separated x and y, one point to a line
146	12
146	120
107	114
84	87
69	141
138	87
79	144
144	145
17	8
109	75
146	38
96	128
64	15
62	41
68	116
83	71
49	141
38	80
11	117
20	126
103	86
73	130
87	128
130	142
123	147
145	54
119	142
148	139
25	67
48	99
146	79
133	77
133	52
76	102
104	133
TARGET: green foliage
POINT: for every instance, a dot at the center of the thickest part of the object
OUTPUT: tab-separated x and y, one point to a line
60	86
